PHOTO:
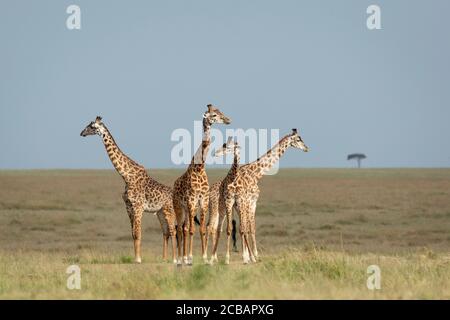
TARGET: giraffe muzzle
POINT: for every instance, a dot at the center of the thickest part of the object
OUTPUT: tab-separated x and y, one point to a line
86	132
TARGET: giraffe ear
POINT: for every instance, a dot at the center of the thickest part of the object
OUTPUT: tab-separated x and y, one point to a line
98	119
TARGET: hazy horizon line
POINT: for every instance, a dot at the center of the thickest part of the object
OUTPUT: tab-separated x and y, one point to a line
215	168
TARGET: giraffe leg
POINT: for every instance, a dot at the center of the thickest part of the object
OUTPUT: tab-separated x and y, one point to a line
253	239
164	230
169	217
206	237
226	210
191	215
247	255
203	212
229	229
242	210
242	226
185	241
217	238
213	223
210	230
244	249
136	232
248	242
216	231
252	224
135	215
179	228
165	242
210	237
186	225
173	237
245	234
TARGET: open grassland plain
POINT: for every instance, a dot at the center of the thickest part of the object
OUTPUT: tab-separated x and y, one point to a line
317	229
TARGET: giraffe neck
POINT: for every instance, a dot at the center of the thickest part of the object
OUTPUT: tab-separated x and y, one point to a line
125	166
266	162
198	160
234	168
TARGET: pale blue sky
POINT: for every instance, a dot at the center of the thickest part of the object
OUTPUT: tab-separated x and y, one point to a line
149	67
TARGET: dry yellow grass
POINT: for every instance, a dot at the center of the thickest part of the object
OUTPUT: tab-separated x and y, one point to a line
318	230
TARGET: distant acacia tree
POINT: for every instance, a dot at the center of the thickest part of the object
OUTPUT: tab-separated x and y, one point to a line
358	157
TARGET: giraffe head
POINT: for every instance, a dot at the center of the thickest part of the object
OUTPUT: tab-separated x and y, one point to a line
95	127
214	115
297	142
230	147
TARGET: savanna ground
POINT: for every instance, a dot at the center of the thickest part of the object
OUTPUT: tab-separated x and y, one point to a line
317	229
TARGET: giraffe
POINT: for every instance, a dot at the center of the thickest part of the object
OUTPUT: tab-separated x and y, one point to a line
191	190
246	192
220	194
142	193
